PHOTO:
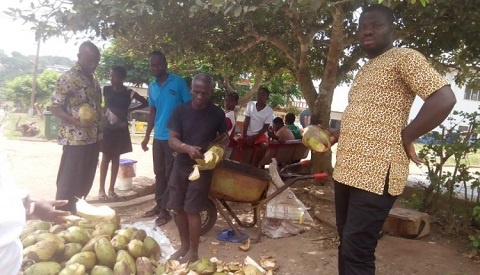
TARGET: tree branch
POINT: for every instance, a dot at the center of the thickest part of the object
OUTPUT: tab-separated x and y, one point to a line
249	95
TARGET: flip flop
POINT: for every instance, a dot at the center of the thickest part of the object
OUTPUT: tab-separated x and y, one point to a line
103	197
112	196
228	235
162	220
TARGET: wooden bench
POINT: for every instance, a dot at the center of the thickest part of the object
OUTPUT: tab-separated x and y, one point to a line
285	153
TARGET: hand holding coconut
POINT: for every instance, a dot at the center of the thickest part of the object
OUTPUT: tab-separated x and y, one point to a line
86	116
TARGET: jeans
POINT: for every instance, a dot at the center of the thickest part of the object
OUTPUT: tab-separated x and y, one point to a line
162	167
360	216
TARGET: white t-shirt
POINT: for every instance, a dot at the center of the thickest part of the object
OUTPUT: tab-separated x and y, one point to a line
231	115
12	219
257	119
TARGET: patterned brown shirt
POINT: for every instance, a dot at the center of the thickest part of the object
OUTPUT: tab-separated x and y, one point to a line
73	89
379	104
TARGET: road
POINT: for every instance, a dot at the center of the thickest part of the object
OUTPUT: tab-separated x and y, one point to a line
35	165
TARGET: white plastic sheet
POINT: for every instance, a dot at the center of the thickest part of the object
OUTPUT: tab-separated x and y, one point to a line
153	231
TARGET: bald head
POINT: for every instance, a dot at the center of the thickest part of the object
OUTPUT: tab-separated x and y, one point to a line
88	57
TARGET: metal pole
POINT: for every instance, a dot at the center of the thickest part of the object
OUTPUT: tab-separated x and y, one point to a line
34	84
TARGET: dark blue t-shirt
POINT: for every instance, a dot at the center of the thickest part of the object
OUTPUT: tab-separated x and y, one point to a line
197	127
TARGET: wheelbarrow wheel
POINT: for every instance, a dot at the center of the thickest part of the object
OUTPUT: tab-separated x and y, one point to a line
208	217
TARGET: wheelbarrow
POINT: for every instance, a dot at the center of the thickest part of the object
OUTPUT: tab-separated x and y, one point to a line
236	182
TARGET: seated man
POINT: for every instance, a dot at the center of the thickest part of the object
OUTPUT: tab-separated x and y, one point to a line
280	131
258	117
290	123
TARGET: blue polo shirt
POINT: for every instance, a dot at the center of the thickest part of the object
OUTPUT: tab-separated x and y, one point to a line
165	98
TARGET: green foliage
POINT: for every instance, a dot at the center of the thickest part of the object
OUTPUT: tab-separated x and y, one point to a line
441	194
138	70
19	89
475	239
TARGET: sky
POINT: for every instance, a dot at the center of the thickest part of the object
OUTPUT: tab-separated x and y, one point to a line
17	36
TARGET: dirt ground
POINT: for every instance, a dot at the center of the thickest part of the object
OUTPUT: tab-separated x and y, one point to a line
35	165
314	252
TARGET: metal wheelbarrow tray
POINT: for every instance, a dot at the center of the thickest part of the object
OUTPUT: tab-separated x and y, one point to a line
236	182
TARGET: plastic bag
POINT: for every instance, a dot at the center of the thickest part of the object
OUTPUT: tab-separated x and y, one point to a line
286	206
285	213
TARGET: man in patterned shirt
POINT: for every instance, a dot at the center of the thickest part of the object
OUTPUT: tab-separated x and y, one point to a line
80	140
375	144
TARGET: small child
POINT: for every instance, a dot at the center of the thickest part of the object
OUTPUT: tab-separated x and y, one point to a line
231	100
116	136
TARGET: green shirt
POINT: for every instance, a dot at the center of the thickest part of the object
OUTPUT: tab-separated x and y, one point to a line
295	131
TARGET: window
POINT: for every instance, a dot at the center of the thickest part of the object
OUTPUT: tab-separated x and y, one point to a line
472	94
462	128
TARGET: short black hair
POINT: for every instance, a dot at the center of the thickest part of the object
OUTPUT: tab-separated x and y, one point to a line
290	118
120	70
266	90
234	95
278	120
90	46
388	12
159	54
204	78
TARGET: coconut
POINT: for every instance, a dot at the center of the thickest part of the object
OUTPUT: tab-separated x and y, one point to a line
94	213
316	138
86	114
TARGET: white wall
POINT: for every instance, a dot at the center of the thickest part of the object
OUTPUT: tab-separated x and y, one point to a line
464	105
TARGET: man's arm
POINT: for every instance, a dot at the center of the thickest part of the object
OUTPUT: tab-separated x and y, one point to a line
433	112
150	124
435	109
246	123
178	146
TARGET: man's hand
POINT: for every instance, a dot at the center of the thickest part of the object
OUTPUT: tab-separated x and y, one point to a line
45	211
193	151
145	143
411	154
80	124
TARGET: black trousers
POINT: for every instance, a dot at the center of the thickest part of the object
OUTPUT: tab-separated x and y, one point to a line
162	167
76	173
360	216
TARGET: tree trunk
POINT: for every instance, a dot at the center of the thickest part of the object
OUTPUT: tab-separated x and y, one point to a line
320	105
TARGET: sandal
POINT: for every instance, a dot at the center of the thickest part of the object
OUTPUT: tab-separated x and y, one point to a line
102	197
162	221
112	196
